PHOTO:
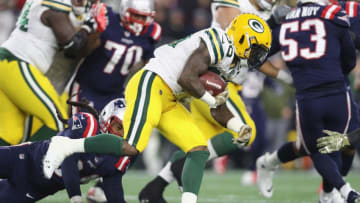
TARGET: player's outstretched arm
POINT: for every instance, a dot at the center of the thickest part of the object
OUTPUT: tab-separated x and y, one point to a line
224	15
332	143
270	70
337	141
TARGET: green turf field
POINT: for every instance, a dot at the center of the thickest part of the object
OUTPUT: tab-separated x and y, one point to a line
290	187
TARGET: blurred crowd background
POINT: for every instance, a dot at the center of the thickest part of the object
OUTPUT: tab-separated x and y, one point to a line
179	18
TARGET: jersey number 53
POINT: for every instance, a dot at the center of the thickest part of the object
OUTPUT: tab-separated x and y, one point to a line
318	37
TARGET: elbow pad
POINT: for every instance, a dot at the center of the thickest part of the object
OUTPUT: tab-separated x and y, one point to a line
72	49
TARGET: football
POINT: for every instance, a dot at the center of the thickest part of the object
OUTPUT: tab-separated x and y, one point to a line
213	83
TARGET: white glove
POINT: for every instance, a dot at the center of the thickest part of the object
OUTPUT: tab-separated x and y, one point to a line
244	136
76	199
219	99
285	77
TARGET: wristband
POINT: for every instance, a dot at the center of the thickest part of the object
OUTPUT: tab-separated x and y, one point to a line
208	98
234	124
284	76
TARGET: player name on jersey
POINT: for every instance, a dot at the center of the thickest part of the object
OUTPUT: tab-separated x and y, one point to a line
303	12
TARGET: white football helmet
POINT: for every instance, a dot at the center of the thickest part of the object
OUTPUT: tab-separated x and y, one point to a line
141	8
266	5
112	112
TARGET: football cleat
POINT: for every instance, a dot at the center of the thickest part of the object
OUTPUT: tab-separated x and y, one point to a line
264	176
96	195
152	193
59	149
331	197
249	178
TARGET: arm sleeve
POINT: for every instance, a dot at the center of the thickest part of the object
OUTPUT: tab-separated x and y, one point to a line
275	45
355	28
113	188
354	138
71	176
58	5
211	37
348	52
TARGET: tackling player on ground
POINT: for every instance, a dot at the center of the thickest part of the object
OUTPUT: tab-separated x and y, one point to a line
21	165
154	103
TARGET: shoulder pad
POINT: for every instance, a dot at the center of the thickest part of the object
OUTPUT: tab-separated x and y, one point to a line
226	3
214	40
155	31
59	5
351	8
335	14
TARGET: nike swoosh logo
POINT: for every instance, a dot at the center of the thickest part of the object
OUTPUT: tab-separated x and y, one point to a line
269	190
29	196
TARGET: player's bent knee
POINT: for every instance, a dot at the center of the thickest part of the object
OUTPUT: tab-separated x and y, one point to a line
129	150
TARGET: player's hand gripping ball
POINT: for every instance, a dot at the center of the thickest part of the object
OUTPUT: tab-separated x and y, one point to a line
213	83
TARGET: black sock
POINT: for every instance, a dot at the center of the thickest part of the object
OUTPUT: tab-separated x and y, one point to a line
176	169
287	152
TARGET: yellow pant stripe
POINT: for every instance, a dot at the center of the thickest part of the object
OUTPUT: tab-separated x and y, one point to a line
40	93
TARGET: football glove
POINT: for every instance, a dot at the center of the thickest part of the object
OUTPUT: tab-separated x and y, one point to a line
334	142
221	98
96	19
76	199
244	136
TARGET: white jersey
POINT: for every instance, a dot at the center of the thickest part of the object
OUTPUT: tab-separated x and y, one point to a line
170	59
244	6
32	41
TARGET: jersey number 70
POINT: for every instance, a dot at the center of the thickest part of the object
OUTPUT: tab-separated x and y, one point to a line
119	51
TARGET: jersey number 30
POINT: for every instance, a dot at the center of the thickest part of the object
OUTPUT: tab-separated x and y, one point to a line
293	46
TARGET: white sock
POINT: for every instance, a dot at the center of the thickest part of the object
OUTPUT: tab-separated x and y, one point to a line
273	160
212	151
166	173
78	145
188	197
345	190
